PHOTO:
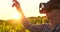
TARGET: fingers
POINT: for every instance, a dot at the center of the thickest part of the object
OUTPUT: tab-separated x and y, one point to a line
14	1
13	5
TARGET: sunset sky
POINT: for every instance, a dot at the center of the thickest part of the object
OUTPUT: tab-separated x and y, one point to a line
29	7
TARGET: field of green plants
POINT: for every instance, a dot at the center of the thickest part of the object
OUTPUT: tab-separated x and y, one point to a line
9	26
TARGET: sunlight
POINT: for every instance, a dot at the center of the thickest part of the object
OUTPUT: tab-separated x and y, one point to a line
41	15
16	16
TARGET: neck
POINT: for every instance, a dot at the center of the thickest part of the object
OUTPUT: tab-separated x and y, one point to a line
54	17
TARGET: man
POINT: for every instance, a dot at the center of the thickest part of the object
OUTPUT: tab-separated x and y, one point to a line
27	24
52	9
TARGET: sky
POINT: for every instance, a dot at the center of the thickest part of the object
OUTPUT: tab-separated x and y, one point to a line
30	8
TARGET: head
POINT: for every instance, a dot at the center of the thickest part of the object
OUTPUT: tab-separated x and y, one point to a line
52	9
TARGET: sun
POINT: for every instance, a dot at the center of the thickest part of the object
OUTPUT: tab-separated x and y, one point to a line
16	16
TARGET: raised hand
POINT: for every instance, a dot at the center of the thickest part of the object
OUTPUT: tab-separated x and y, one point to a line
16	4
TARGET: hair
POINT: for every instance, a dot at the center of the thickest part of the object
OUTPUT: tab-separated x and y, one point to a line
52	4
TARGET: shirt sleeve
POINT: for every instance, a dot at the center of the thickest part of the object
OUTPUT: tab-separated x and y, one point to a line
29	26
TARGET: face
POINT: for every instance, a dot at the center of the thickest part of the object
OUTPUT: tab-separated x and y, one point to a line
54	16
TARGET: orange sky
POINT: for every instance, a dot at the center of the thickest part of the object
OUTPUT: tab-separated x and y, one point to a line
29	8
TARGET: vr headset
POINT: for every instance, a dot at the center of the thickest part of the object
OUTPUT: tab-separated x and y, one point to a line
42	8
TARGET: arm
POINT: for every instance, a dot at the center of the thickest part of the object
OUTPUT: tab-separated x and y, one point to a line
25	22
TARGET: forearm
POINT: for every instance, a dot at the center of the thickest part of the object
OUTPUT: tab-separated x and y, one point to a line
26	23
24	20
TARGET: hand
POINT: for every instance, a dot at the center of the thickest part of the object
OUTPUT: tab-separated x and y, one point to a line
16	4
